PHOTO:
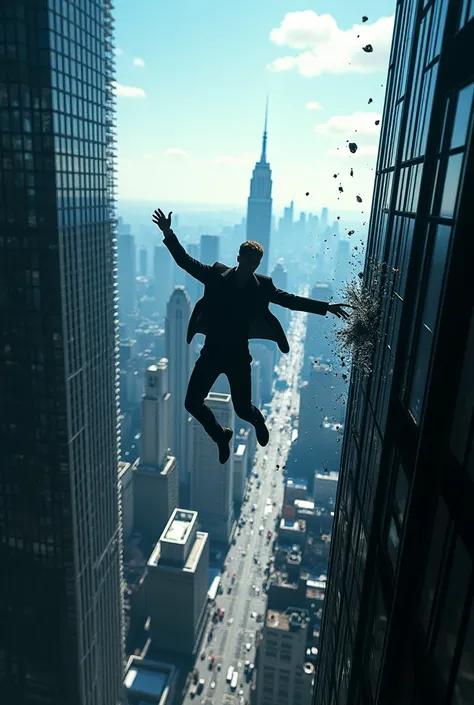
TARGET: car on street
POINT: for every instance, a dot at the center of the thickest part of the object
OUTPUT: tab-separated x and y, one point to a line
248	646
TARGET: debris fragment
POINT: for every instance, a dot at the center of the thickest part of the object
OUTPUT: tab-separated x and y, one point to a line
352	172
368	48
364	18
358	199
377	122
307	193
353	147
341	190
335	176
370	101
351	232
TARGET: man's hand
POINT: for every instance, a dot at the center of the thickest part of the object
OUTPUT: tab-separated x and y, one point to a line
163	222
338	310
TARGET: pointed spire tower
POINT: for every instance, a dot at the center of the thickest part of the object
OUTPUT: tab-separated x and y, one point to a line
259	205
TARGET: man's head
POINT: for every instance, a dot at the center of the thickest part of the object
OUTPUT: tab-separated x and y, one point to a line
250	255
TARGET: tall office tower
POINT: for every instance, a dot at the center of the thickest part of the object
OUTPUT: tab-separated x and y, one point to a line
210	248
211	482
179	355
156	416
259	205
143	262
161	278
241	466
156	475
176	585
323	223
125	476
61	638
193	286
403	543
320	341
265	353
126	269
342	269
283	676
280	279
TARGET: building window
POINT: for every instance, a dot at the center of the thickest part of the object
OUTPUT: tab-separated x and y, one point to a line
397	514
436	553
464	686
431	305
451	611
460	429
376	638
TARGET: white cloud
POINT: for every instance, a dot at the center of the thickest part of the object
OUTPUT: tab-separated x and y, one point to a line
313	105
327	49
139	62
129	91
347	125
148	157
118	52
176	153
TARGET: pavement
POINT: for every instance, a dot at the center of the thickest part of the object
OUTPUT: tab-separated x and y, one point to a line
239	626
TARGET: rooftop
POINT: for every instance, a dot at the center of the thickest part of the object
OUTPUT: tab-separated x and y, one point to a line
218	396
179	526
290	619
240	449
147	681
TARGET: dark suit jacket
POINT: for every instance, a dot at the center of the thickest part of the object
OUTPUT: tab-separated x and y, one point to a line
263	324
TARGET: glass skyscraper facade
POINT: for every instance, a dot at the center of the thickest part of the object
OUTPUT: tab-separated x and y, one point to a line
398	624
60	584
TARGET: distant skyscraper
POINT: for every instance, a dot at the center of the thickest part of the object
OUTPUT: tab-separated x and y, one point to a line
156	415
61	638
179	355
211	482
143	262
280	279
127	272
209	249
324	219
259	207
319	341
162	264
398	623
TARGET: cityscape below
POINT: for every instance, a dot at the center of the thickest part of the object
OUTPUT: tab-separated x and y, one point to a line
332	562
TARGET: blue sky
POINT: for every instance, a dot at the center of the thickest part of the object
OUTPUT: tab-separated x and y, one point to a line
192	80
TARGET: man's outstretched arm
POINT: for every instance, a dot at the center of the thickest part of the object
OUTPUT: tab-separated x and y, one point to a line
301	303
192	266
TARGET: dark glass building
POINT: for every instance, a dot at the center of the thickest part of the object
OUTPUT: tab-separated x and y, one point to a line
60	584
398	625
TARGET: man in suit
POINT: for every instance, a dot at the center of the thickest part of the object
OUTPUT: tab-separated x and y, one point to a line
233	310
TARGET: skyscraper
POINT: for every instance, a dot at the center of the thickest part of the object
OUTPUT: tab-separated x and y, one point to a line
280	279
61	635
179	355
398	623
192	286
259	205
215	508
161	277
127	272
143	262
210	248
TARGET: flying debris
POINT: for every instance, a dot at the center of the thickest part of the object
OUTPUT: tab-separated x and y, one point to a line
352	172
377	122
368	48
370	101
353	147
361	275
351	232
365	18
307	193
358	199
341	190
335	176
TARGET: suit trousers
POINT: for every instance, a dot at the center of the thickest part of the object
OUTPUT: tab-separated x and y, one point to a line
234	362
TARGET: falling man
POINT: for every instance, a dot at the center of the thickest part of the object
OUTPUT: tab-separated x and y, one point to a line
233	309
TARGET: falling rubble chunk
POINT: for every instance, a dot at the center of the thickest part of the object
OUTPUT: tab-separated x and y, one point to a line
365	18
358	199
368	48
335	176
351	232
341	190
353	147
307	193
370	101
377	122
352	172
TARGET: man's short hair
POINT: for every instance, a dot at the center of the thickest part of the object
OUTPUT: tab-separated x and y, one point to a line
251	246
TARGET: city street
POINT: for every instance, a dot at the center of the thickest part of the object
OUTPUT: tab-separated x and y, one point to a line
233	639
